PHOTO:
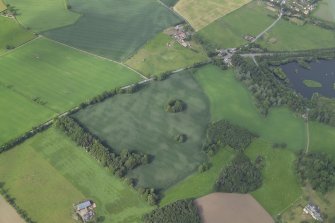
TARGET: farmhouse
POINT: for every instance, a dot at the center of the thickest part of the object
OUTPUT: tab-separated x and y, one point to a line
181	36
85	210
314	211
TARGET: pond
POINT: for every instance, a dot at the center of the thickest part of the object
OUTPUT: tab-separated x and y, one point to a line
322	72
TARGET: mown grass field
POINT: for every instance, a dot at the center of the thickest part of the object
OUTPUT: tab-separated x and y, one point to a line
12	34
163	54
229	31
280	185
59	77
148	128
287	36
322	138
3	6
114	29
200	13
41	15
325	10
18	115
48	173
231	101
199	184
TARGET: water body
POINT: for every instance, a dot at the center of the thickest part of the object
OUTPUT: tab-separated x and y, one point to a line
321	71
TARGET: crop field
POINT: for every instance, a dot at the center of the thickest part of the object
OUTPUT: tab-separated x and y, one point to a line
199	184
289	36
12	34
48	173
165	54
201	13
41	15
48	73
325	10
8	213
148	128
231	101
114	29
3	6
229	31
275	195
18	115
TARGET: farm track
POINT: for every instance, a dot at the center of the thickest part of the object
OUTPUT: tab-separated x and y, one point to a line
101	57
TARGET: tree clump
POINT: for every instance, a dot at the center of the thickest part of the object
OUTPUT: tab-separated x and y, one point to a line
175	105
241	176
181	138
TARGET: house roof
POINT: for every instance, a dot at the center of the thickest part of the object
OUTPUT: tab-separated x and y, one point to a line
83	205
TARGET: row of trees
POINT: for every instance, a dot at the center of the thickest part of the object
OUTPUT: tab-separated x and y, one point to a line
182	211
120	164
223	133
317	169
12	202
241	176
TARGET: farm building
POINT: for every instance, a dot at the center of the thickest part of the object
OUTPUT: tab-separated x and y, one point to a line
314	211
85	210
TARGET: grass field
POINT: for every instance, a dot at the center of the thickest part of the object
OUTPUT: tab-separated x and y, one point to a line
147	127
18	115
325	10
3	6
322	138
198	184
48	173
230	100
12	34
49	73
200	13
41	15
114	29
280	185
289	36
229	31
163	54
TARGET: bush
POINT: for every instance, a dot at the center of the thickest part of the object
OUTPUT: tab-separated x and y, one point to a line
241	176
181	138
175	106
183	211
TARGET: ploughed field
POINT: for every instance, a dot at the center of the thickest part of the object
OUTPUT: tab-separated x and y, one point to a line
43	78
114	29
140	122
48	174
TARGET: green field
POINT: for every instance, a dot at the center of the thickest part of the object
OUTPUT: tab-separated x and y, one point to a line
229	31
231	101
48	173
198	184
12	34
59	77
113	28
280	185
200	13
322	138
289	36
18	115
148	128
41	15
325	10
163	54
312	84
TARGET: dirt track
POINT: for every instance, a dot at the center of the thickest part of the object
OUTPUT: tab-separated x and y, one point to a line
8	214
231	208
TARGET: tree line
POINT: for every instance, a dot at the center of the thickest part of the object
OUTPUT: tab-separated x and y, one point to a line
119	164
11	201
316	169
182	211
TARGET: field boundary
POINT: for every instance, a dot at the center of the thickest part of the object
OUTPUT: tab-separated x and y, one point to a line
18	47
97	56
